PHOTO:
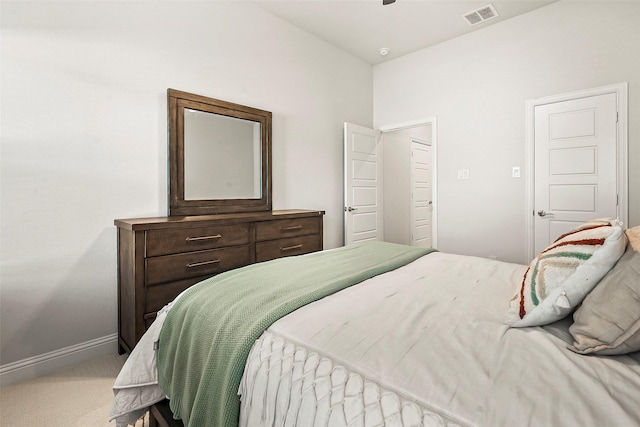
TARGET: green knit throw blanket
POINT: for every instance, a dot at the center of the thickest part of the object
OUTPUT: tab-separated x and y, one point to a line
208	333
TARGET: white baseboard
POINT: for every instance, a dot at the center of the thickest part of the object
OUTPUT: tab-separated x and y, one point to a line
43	364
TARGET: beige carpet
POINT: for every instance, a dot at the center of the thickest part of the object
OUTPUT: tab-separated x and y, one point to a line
77	396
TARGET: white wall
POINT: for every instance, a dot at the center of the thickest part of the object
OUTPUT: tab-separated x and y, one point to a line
477	86
84	139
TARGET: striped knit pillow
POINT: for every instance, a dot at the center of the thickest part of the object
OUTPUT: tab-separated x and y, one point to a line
559	278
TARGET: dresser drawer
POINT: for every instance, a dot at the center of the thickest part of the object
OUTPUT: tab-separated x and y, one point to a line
177	240
268	230
273	249
170	268
158	296
158	258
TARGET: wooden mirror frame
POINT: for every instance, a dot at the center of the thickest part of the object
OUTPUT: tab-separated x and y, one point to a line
177	101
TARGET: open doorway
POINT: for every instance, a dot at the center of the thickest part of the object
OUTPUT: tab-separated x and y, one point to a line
408	186
410	214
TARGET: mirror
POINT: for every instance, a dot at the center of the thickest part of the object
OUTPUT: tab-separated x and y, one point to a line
219	156
224	150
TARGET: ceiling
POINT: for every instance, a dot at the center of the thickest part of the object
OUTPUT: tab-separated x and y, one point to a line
363	27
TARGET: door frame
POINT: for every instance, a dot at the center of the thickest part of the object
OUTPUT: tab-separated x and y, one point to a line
434	155
621	91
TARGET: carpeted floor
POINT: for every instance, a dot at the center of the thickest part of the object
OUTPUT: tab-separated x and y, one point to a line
77	396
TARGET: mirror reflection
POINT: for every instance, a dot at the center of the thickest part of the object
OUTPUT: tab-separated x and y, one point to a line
223	151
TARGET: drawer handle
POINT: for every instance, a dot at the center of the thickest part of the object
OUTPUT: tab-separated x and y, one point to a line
196	239
290	248
291	228
200	264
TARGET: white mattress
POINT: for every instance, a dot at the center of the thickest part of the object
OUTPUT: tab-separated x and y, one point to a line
425	345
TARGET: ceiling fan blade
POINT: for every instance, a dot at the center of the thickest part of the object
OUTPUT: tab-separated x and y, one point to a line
388	1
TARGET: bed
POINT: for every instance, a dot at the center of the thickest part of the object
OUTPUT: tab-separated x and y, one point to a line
380	334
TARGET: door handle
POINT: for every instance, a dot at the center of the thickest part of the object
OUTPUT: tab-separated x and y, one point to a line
543	213
350	209
195	239
200	264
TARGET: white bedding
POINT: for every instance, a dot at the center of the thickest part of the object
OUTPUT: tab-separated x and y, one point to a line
428	341
422	345
136	387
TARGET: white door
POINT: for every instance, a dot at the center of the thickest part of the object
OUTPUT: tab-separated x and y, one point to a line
575	169
363	184
421	194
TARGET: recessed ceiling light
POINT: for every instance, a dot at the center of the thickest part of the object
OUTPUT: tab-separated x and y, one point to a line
384	51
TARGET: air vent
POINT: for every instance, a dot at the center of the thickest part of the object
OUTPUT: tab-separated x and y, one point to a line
480	15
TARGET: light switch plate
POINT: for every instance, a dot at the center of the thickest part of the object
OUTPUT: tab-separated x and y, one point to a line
463	173
515	173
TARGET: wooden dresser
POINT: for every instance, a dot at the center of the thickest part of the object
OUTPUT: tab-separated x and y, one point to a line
160	257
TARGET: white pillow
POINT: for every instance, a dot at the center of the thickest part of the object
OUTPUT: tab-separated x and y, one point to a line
562	275
608	320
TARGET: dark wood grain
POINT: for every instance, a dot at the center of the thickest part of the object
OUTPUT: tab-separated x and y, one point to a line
278	229
170	241
168	268
177	101
272	249
156	261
